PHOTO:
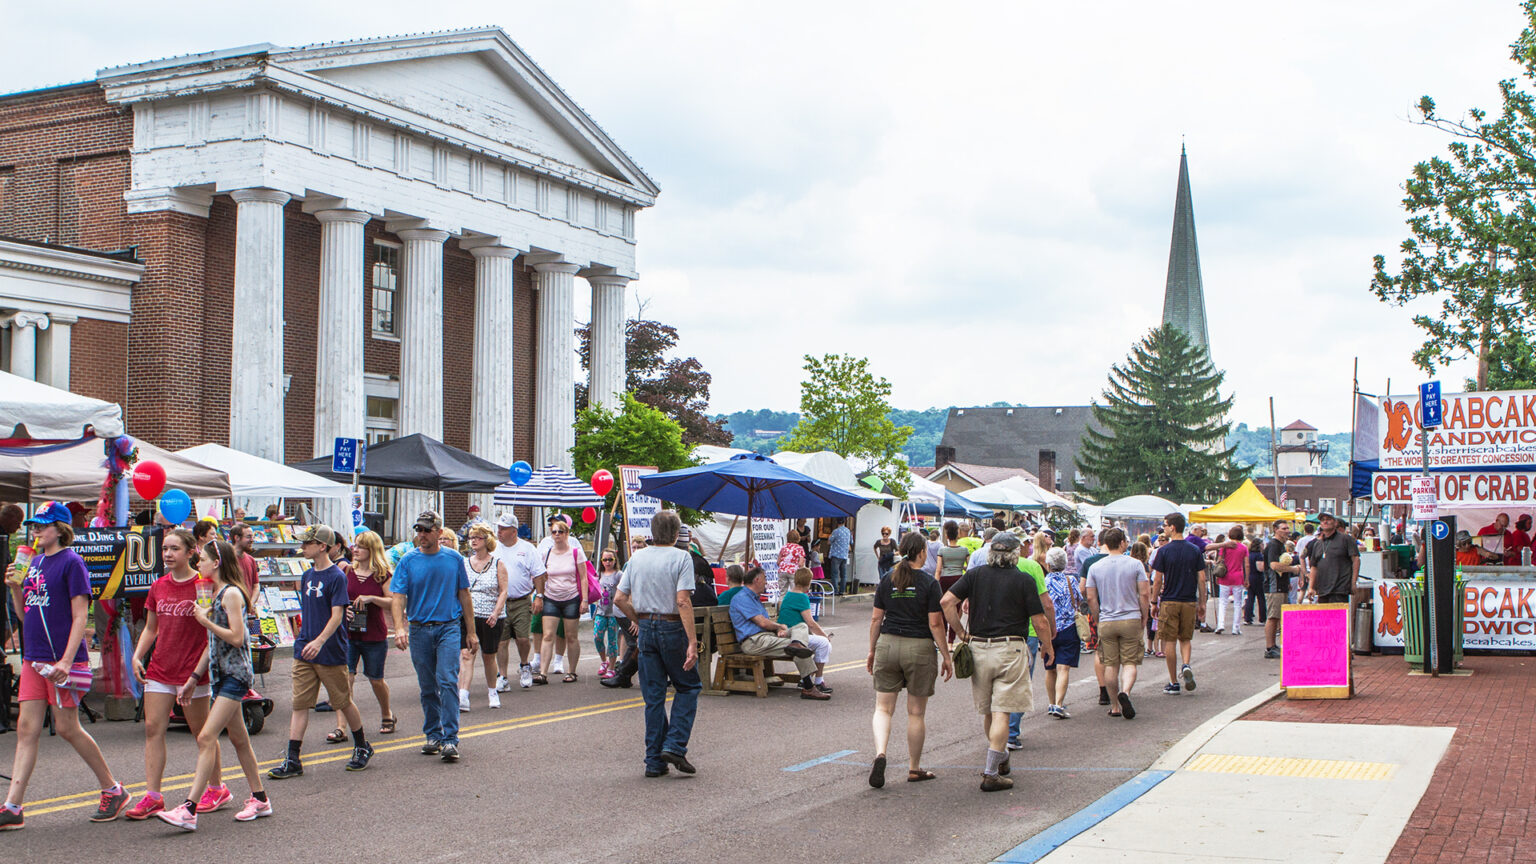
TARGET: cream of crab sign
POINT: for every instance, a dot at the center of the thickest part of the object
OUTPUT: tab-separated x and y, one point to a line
1465	488
1480	430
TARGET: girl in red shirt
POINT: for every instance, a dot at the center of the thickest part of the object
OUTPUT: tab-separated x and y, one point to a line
171	676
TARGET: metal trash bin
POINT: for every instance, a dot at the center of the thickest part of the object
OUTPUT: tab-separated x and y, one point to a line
1364	629
1411	592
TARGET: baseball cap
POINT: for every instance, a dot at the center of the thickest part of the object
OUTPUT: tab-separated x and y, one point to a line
321	534
1005	542
1463	537
428	519
1326	515
51	512
473	508
507	519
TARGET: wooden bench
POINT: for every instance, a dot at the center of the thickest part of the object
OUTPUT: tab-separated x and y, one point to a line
732	659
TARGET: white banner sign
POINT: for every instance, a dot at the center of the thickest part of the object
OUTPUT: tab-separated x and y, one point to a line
767	539
638	509
1493	488
1500	615
1480	430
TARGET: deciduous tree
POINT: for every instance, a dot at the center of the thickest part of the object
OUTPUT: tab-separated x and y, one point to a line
845	408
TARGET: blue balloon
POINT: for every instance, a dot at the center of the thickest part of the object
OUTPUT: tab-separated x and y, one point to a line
175	506
521	472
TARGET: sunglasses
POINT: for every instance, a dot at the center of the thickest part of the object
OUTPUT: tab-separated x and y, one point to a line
559	531
422	530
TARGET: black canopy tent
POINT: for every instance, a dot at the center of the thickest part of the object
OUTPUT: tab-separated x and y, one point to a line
418	462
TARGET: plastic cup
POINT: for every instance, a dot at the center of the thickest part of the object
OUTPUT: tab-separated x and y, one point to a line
23	562
205	593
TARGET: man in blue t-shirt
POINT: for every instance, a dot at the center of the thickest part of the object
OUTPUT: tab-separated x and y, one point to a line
320	652
1178	583
756	633
432	593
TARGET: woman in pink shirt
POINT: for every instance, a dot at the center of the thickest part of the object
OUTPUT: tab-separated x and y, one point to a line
1234	554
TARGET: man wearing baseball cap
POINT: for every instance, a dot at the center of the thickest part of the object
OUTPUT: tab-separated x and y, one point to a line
1333	560
524	565
431	591
320	652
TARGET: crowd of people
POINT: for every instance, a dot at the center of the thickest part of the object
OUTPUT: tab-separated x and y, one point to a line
985	607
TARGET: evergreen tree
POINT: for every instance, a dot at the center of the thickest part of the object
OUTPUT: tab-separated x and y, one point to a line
1164	426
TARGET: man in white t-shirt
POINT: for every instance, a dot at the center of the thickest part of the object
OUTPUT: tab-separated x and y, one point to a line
524	564
1119	603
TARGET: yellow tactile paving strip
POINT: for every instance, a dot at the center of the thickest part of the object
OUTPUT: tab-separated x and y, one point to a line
1278	766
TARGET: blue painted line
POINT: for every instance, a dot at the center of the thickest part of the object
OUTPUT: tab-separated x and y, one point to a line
821	760
1057	835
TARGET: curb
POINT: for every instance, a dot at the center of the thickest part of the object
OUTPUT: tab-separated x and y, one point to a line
1185	748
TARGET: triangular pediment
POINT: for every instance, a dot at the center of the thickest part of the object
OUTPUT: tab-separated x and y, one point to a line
477	81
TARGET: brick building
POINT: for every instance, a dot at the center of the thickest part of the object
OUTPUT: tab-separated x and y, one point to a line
271	247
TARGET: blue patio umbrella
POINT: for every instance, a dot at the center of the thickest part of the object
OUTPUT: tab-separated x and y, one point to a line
751	485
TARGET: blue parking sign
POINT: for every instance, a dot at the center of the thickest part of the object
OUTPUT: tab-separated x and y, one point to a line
349	455
1429	404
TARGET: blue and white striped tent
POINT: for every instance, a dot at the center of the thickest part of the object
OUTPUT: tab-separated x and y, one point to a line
550	486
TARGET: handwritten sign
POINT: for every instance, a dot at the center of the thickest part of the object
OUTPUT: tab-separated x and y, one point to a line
638	509
1315	656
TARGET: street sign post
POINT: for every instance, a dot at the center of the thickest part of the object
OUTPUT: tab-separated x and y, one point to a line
350	456
1429	418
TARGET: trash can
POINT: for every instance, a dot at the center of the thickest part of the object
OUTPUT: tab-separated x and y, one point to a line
1411	593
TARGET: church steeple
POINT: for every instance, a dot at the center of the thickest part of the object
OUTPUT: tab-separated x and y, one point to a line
1184	296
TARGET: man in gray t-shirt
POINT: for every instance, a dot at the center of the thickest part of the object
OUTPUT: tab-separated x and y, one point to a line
1119	601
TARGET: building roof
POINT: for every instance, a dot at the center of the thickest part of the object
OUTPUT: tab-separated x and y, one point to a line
1184	294
1299	426
984	475
130	254
921	470
1014	437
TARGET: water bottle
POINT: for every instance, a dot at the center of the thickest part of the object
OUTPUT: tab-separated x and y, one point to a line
43	669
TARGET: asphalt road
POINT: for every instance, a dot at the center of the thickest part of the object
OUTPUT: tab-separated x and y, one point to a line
557	773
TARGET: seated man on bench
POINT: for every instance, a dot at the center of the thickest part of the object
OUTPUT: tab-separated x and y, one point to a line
759	635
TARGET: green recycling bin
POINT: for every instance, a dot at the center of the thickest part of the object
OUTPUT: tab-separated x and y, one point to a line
1411	597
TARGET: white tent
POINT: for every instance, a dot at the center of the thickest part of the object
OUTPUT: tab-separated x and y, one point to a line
75	472
255	477
1016	493
29	409
1140	507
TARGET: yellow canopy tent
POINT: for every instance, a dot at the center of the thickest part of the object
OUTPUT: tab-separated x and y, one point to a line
1247	504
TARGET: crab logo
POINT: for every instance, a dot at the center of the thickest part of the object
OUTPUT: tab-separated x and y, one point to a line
1391	611
1399	425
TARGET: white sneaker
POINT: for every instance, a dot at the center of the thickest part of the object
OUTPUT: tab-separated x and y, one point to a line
502	685
1237	631
463	700
558	667
535	663
491	697
525	677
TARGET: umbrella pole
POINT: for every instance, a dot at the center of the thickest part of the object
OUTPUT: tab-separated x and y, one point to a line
751	544
729	531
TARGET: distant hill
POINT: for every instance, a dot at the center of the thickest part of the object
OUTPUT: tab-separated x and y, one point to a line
760	431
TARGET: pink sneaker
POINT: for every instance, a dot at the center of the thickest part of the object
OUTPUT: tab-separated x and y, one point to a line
181	816
604	670
149	805
214	798
254	809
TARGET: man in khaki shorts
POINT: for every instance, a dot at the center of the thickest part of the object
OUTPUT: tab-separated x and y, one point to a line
1178	581
1003	601
524	564
1119	602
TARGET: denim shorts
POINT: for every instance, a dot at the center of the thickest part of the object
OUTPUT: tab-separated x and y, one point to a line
372	654
567	609
230	687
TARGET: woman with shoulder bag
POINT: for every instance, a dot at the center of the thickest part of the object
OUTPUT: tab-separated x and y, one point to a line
367	632
1066	599
563	599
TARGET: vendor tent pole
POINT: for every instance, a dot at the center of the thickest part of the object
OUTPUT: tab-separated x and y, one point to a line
1274	455
1354	401
729	531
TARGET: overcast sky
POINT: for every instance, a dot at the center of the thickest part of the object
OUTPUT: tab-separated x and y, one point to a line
976	196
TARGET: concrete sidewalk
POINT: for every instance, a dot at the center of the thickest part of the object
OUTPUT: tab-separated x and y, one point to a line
1412	770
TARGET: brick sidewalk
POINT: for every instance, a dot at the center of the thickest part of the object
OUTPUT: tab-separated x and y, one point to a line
1479	805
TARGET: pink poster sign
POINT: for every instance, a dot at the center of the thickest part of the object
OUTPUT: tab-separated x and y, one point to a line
1314	650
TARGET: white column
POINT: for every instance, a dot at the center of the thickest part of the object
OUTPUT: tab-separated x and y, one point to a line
421	352
339	398
256	378
24	327
555	384
53	351
491	418
607	361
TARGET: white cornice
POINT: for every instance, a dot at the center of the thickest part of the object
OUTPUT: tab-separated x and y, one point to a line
61	262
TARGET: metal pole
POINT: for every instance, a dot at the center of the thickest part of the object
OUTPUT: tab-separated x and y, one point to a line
1274	455
1431	647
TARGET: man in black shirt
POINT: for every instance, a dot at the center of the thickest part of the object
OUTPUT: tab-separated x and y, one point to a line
1003	603
1178	581
1333	562
1277	584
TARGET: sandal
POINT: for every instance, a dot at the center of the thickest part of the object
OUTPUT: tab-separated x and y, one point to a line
919	775
539	678
387	726
1114	713
571	678
335	736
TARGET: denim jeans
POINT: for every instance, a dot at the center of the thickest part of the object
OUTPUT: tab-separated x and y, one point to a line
435	654
1255	598
1013	719
663	648
837	572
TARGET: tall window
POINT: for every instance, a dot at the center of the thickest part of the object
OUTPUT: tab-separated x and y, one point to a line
379	426
386	281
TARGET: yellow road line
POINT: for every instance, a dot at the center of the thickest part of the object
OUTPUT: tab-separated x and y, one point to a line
1279	766
320	757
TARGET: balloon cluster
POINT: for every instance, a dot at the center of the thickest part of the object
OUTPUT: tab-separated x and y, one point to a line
149	481
602	484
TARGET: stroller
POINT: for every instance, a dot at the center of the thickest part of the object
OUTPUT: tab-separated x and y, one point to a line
254	707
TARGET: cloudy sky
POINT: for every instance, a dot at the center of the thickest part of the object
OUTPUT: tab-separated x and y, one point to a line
976	196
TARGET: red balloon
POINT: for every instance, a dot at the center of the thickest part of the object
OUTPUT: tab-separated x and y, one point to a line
148	480
589	515
602	481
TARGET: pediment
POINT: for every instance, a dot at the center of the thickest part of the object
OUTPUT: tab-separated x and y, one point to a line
478	81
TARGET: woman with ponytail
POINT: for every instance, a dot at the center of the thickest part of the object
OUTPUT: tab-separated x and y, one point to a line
906	652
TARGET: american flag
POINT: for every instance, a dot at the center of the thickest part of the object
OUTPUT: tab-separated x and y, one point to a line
1284	495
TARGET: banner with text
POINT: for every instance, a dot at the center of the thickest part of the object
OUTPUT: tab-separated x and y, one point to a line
1490	488
1499	615
120	560
1480	430
638	509
768	537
